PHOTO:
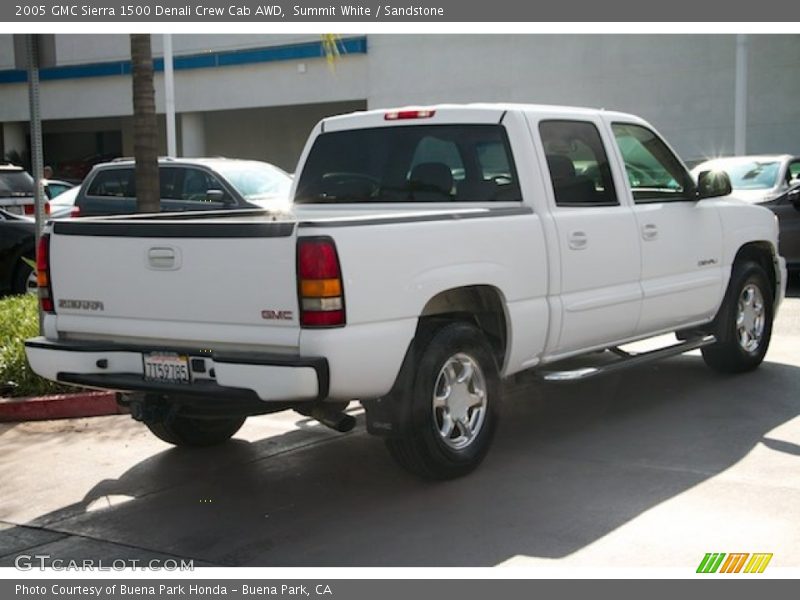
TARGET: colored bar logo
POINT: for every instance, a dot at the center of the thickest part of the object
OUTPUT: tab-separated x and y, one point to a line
736	562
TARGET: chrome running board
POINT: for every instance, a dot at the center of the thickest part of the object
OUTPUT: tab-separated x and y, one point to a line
626	360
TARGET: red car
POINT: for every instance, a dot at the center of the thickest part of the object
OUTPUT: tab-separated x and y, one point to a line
76	170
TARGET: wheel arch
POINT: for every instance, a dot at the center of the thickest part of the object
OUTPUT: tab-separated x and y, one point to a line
763	253
480	304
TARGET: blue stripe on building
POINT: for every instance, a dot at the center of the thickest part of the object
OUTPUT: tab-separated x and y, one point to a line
249	56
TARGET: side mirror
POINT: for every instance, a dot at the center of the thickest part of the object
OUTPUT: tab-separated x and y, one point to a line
713	184
218	196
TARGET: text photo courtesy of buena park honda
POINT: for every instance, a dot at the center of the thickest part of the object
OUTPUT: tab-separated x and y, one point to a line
397	300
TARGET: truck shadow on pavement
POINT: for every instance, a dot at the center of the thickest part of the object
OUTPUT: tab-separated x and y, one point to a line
569	465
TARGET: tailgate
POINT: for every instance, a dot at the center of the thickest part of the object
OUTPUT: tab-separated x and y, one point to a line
187	282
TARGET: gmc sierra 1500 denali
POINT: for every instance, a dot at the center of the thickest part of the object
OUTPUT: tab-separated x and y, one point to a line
428	253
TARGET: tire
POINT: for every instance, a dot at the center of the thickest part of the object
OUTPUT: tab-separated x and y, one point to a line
24	279
446	355
192	432
741	346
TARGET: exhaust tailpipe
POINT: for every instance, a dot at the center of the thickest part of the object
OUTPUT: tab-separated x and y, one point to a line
330	416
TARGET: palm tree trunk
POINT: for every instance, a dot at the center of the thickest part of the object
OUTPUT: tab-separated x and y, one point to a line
145	132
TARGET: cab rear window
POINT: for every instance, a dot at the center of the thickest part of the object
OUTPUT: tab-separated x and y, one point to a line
417	163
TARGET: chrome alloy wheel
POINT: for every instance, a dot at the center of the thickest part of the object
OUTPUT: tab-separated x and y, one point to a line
750	319
459	401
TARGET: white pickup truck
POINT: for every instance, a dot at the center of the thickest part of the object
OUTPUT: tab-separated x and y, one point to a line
427	254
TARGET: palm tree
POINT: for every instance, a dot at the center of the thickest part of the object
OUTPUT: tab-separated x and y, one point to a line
145	131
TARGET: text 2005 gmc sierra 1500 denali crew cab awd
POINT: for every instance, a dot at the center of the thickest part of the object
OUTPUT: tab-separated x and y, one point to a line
427	254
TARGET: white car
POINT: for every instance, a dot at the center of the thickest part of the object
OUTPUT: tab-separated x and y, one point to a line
430	252
63	206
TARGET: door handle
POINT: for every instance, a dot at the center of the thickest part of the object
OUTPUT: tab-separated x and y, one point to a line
649	232
162	258
578	240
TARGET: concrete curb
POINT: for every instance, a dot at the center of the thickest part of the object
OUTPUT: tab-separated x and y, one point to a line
59	406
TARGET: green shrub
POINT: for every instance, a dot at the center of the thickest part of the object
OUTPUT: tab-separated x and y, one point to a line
19	320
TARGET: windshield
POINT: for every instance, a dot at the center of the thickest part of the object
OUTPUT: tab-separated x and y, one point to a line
15	184
257	181
747	174
411	163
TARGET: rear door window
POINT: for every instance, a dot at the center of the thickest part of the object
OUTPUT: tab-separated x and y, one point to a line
793	174
113	183
578	164
412	163
15	183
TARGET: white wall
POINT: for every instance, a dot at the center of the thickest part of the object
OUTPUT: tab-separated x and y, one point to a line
276	135
773	107
683	84
248	86
6	52
74	49
268	84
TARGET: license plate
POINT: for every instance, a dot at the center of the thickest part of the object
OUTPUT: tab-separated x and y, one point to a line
166	367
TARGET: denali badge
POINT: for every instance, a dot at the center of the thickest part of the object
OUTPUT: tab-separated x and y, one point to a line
280	315
706	262
81	304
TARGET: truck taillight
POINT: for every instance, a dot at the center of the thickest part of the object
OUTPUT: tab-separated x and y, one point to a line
319	276
29	209
75	211
43	274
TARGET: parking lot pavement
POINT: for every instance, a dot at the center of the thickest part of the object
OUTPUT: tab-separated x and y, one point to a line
652	467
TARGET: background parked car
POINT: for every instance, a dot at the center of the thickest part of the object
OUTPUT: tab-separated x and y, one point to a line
17	241
63	205
772	181
186	184
16	189
56	187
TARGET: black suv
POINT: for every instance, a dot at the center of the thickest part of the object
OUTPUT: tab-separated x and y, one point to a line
16	189
186	184
17	250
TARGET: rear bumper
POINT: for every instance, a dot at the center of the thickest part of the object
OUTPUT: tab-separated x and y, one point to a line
245	375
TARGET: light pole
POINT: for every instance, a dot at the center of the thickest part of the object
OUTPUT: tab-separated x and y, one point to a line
33	50
169	95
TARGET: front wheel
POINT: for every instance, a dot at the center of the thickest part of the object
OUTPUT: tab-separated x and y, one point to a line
454	400
743	326
181	430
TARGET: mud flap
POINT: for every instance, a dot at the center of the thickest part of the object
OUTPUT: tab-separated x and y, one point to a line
390	415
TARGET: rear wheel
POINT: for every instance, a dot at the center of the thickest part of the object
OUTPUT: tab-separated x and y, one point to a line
181	430
454	404
743	326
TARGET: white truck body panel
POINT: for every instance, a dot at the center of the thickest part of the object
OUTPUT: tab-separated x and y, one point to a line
212	291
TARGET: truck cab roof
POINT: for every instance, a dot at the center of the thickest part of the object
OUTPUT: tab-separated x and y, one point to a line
461	113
